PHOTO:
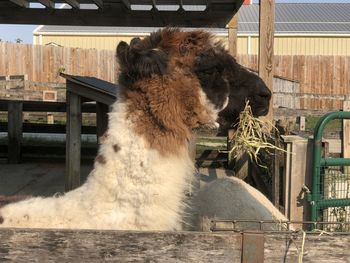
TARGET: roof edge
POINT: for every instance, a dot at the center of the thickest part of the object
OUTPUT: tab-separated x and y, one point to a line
253	34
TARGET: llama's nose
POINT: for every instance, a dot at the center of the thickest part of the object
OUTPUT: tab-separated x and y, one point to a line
265	94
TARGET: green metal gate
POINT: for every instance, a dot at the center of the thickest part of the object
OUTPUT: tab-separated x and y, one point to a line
330	193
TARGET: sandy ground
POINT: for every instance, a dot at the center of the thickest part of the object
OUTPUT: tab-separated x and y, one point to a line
219	194
35	178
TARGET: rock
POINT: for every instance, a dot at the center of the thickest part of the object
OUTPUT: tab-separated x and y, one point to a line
230	198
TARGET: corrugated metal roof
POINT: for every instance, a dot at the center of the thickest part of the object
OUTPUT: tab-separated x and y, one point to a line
308	18
326	18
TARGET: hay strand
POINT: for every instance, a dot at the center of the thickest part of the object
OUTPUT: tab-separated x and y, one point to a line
251	136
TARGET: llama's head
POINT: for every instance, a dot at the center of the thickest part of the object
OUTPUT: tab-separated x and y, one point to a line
244	86
158	79
196	52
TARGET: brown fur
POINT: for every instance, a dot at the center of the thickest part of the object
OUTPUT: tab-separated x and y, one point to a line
165	110
103	138
100	159
174	41
116	147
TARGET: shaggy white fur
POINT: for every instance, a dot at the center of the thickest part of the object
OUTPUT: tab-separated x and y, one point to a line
136	188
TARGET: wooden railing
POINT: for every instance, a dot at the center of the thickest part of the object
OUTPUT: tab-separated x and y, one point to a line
25	245
15	125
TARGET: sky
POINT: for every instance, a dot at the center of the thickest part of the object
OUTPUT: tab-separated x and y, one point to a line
24	32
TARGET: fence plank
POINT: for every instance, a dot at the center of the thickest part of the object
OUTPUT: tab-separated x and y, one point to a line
316	74
41	63
26	245
15	124
318	249
118	246
73	141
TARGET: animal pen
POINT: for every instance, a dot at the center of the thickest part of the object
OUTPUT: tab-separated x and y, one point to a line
221	240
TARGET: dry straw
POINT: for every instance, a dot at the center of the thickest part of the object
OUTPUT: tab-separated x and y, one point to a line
251	136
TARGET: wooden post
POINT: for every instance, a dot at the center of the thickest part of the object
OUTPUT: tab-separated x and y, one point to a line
15	125
230	159
297	173
276	182
346	134
50	119
266	42
253	247
302	123
101	118
232	36
73	141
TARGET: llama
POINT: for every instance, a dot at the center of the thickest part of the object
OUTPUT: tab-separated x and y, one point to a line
150	57
244	85
143	167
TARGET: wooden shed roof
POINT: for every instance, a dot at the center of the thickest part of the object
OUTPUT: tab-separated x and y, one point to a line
155	13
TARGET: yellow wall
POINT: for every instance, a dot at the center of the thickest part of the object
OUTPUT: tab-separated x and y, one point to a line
296	45
76	41
284	45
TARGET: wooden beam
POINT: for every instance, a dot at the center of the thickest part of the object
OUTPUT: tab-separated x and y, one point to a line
266	42
44	106
23	245
99	3
49	245
114	17
276	182
181	4
101	119
127	4
253	248
232	36
73	140
73	3
207	3
21	3
47	3
15	126
154	4
91	94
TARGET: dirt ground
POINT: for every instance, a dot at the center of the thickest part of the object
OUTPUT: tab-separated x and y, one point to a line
35	178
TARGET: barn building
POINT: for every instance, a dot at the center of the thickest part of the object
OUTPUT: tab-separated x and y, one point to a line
300	29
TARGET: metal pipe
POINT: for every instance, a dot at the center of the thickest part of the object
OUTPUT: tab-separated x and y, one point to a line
315	191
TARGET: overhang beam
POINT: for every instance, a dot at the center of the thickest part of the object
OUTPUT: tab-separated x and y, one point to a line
21	3
127	4
47	3
73	3
108	17
98	3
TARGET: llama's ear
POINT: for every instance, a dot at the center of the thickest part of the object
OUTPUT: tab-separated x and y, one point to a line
122	52
141	62
147	62
135	41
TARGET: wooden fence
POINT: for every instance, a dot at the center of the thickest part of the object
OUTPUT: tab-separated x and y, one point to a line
36	245
324	80
43	63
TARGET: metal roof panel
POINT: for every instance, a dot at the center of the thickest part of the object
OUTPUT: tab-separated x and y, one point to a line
290	18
